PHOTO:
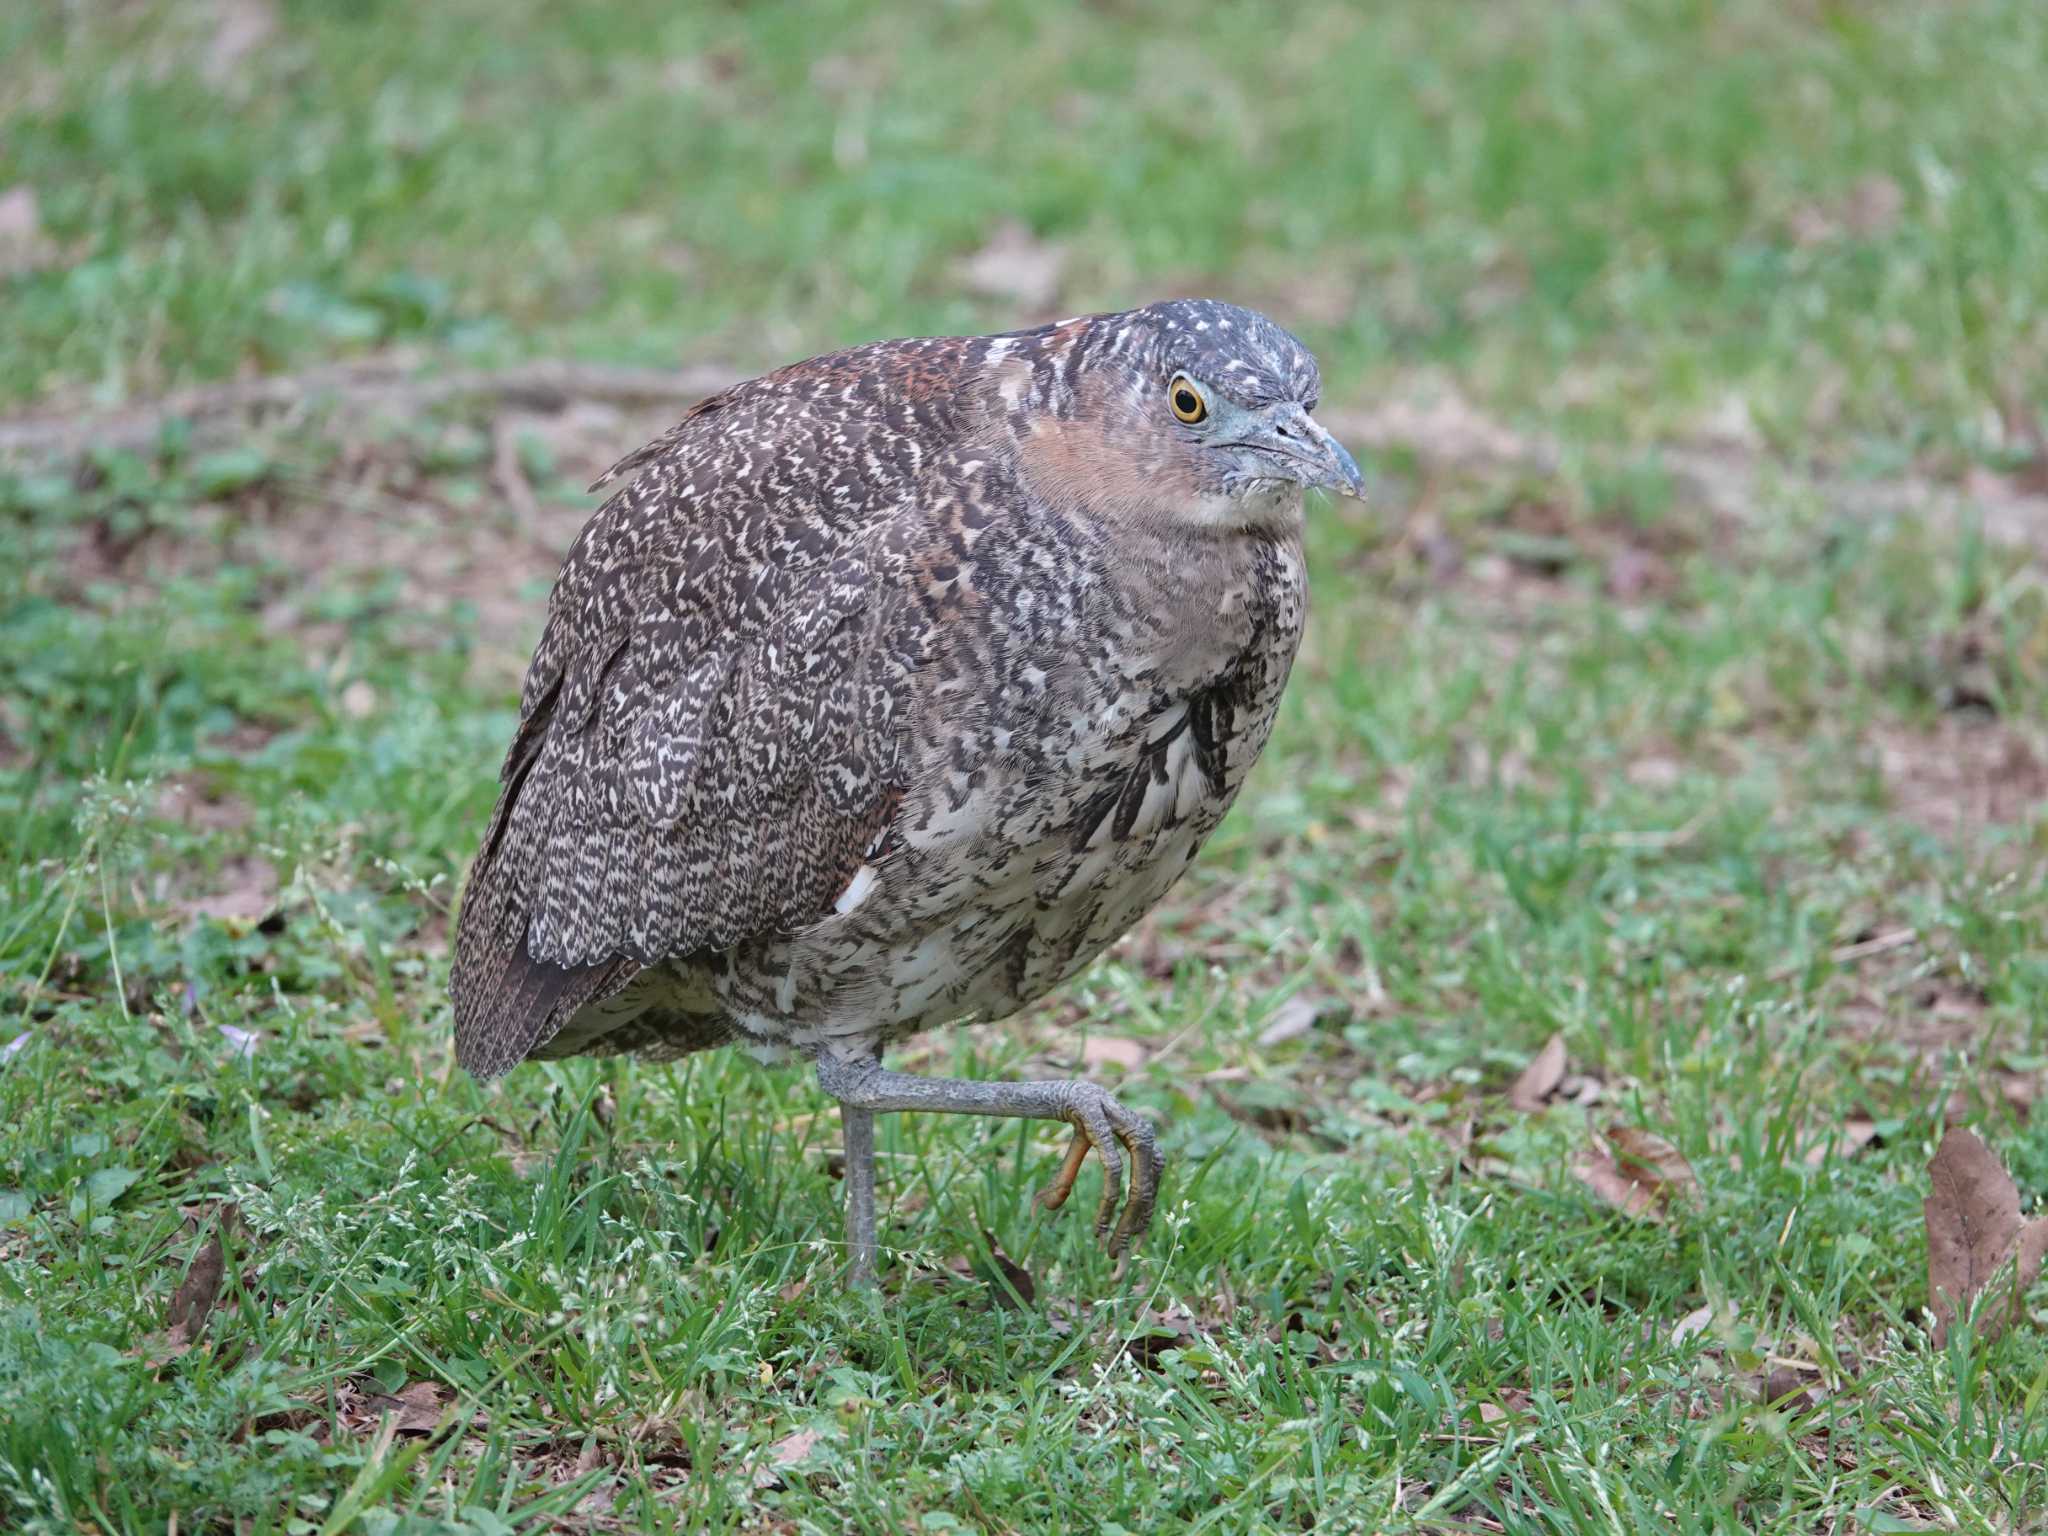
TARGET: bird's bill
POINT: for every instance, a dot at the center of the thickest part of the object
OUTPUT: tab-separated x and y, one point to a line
1337	471
1316	458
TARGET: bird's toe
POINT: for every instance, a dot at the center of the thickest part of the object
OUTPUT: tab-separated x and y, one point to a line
1118	1136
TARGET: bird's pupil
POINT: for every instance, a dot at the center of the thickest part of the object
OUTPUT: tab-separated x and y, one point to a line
1186	402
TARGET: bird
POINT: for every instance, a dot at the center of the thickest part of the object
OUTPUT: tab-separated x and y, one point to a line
886	691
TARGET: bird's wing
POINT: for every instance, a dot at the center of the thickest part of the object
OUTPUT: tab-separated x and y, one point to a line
711	732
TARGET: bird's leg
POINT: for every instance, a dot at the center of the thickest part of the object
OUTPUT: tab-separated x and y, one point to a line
1099	1121
859	1127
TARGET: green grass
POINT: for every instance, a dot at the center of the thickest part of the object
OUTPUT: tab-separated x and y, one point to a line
1635	210
1566	752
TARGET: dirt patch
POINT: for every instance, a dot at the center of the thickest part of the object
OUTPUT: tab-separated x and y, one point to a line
1929	1017
193	800
425	525
1969	774
243	891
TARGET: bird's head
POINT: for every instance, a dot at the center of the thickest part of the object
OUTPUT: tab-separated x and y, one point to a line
1194	411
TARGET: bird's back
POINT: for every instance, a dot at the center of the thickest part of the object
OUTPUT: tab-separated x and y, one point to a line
706	744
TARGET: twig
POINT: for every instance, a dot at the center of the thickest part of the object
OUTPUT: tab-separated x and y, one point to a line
354	389
1898	938
510	474
1848	954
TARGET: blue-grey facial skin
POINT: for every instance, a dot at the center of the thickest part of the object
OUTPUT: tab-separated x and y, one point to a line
1256	448
1279	441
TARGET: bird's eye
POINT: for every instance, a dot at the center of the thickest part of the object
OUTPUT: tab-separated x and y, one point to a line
1186	399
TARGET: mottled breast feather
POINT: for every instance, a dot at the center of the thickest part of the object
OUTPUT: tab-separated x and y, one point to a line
710	734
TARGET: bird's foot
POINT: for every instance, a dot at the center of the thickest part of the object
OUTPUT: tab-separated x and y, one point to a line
1098	1120
1102	1123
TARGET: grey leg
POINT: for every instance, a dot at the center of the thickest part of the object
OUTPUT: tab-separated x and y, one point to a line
859	1127
866	1087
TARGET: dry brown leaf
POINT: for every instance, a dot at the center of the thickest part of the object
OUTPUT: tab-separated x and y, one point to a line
1158	1332
196	1297
1293	1019
1973	1232
1627	1193
1539	1079
1652	1160
1016	1274
161	1347
1698	1320
419	1406
1112	1050
1635	1172
1784	1384
198	1292
791	1449
786	1452
20	213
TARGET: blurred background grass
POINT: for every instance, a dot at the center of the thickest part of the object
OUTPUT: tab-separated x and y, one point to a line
1680	697
1828	218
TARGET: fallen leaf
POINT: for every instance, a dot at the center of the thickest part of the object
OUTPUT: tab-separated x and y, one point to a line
1699	1320
1159	1332
418	1406
1783	1383
1294	1018
1630	1195
1635	1172
197	1293
1016	1274
791	1449
20	214
1017	266
161	1347
1492	1413
1539	1079
1653	1160
1113	1050
1973	1231
786	1452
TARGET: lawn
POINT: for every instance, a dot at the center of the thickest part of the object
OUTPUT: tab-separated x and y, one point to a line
1648	870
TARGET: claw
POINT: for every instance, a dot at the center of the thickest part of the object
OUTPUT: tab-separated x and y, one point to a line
1054	1195
1112	1132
